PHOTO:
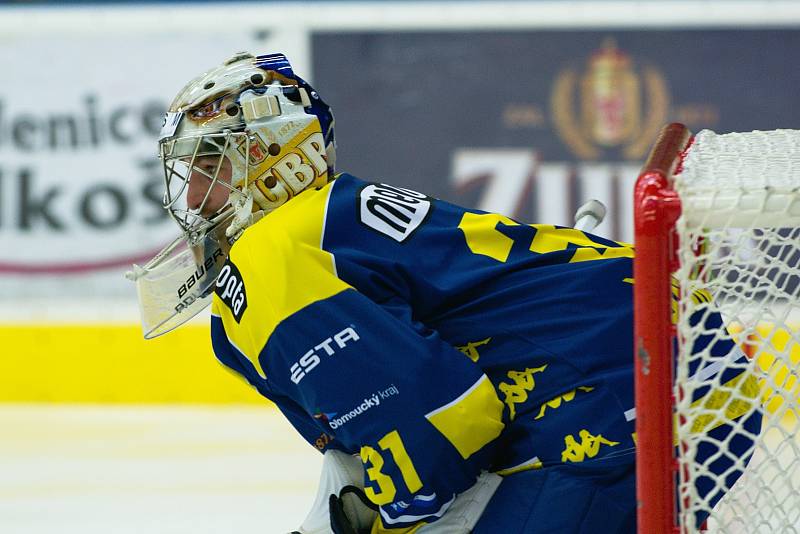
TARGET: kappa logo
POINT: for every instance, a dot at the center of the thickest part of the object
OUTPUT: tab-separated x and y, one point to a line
589	446
517	392
311	359
471	348
230	289
393	211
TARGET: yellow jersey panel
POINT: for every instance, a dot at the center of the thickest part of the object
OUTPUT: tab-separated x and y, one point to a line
281	261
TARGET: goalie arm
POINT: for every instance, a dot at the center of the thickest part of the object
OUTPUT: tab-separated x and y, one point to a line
421	417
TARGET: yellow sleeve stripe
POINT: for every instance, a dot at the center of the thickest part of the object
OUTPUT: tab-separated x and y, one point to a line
472	420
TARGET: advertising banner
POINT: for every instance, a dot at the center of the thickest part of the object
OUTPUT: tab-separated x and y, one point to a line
80	182
532	123
526	122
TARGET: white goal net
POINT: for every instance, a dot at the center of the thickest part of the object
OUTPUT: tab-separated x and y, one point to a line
737	387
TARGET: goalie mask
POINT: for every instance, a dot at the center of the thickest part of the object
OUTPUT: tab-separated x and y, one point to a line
237	142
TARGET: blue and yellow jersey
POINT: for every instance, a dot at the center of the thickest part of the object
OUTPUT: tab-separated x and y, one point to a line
432	340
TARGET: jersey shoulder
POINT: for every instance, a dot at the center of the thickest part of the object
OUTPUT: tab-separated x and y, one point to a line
274	270
370	221
391	211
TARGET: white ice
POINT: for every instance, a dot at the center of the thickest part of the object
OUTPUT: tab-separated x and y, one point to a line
152	469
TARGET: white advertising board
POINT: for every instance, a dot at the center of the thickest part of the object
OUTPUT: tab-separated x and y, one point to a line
80	182
83	88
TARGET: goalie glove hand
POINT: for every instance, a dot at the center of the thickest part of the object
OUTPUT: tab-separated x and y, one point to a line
339	470
348	511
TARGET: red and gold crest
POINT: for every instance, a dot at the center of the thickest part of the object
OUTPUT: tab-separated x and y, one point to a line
254	148
612	103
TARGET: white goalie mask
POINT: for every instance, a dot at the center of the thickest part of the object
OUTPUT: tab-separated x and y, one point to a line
237	142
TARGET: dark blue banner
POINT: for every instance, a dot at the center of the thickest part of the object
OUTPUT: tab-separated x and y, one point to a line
533	122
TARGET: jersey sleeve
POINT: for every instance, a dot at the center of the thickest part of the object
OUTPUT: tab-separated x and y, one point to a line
421	415
230	356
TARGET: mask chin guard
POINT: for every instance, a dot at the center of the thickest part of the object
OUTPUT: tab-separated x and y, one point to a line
178	282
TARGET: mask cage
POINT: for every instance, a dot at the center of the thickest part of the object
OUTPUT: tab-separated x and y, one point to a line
179	157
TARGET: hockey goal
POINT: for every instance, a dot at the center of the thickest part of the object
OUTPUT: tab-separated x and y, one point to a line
717	222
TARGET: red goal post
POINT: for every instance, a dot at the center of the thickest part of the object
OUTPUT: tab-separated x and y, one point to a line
717	236
656	209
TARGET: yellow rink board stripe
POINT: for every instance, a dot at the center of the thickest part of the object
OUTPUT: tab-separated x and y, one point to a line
114	364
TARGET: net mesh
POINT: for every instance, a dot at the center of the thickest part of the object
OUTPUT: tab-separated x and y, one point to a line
737	383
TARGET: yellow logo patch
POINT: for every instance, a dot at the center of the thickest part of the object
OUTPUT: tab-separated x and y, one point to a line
517	393
588	447
554	404
471	348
